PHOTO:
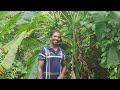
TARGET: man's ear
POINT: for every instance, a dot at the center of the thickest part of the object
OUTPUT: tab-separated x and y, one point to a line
60	39
50	38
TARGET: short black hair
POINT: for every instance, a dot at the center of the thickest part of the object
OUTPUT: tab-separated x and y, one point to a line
55	29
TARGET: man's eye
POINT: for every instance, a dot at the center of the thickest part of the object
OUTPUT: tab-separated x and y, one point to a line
57	37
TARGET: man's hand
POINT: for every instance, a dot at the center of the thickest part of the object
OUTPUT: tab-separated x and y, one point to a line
40	66
61	76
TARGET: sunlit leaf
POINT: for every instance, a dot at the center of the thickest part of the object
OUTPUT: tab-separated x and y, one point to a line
9	58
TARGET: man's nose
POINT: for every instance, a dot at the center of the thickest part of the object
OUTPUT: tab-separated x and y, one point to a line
56	38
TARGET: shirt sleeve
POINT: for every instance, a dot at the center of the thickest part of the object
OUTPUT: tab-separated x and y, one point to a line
41	55
64	55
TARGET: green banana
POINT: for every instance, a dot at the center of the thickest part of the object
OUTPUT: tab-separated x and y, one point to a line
2	70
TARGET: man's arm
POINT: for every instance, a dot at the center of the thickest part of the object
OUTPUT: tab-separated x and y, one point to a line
40	67
61	76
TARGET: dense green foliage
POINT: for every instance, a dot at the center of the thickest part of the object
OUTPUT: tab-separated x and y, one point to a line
90	39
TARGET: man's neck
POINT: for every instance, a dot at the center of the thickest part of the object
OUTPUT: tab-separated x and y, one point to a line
53	46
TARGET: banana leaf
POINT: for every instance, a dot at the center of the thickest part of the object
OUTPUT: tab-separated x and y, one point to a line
112	58
10	24
9	58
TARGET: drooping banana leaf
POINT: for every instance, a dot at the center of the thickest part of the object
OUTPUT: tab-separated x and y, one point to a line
33	73
100	24
9	58
32	63
10	24
3	13
31	24
115	15
113	58
8	45
26	17
99	29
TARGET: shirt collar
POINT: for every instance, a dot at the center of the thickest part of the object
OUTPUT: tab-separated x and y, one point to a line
48	47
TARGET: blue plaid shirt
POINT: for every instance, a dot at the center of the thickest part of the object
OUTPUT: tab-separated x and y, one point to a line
52	61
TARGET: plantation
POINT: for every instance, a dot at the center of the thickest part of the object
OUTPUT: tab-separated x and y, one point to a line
91	40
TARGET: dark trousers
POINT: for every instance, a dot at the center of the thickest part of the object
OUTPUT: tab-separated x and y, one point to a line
51	76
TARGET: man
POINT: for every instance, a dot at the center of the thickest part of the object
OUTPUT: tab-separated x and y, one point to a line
52	61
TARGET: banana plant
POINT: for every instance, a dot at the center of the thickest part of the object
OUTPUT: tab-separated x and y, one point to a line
12	46
10	23
73	19
9	58
106	30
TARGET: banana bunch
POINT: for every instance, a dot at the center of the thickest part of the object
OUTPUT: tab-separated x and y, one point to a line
2	70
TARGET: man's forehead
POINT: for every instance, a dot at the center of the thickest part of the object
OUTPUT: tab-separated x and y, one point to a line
56	33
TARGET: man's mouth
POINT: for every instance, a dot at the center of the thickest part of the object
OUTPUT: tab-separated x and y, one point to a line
55	41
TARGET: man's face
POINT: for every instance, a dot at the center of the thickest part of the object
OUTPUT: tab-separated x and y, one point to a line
55	38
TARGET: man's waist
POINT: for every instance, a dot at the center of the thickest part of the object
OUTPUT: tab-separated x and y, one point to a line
50	73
